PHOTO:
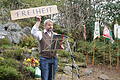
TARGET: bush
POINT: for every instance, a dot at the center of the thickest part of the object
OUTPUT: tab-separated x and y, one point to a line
9	73
5	41
16	53
79	57
28	41
10	62
63	53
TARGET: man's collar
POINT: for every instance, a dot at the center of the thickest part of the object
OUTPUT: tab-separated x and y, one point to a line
45	30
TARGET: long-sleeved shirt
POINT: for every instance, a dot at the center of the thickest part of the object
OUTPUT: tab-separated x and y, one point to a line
37	33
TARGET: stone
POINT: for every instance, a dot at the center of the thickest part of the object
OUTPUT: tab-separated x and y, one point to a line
2	28
12	27
2	37
15	37
26	30
2	32
103	77
13	32
83	65
68	70
88	71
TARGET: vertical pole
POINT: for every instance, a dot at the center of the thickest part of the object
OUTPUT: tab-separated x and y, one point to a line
84	34
118	61
87	56
118	58
93	58
110	57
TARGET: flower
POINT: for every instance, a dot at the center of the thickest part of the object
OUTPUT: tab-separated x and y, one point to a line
31	62
36	61
28	60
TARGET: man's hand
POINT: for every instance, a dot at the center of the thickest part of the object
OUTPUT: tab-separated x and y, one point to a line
38	18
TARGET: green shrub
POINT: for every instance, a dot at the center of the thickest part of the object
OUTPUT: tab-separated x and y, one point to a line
63	53
29	72
28	41
10	62
1	58
30	69
5	41
16	53
79	57
9	73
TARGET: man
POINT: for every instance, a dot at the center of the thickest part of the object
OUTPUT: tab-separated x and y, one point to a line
48	59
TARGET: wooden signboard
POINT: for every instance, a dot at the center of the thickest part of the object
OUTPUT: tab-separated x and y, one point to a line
32	12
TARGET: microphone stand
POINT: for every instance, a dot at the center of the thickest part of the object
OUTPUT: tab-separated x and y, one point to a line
54	49
50	51
73	61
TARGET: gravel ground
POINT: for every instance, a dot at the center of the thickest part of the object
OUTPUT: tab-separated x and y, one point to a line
96	72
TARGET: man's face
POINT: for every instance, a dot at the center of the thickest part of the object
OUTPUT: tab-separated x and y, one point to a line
49	26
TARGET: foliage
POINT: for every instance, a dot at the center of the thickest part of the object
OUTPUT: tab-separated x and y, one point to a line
102	51
5	41
30	69
1	58
16	53
10	63
5	46
74	14
108	12
63	53
29	66
28	41
79	57
9	73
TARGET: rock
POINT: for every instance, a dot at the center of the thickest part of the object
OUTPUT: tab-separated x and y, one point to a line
2	37
63	77
88	71
103	77
13	32
64	60
68	70
12	27
15	37
34	52
27	30
26	54
2	32
83	65
2	28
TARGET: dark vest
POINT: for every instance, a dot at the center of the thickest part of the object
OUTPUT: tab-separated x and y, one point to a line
45	46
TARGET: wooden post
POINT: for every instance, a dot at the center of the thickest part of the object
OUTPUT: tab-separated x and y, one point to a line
118	61
93	58
118	57
87	58
110	57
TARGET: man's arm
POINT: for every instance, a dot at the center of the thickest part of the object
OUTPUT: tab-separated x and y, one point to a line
35	30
